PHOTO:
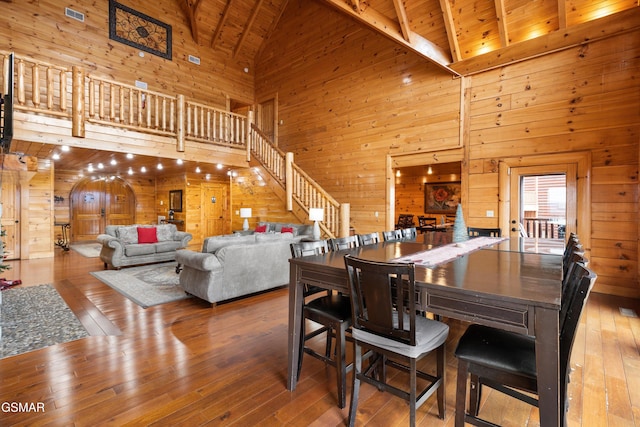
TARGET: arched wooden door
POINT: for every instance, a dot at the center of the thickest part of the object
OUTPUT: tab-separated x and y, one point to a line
98	203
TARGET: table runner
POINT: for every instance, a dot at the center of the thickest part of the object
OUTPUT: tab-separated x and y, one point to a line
446	253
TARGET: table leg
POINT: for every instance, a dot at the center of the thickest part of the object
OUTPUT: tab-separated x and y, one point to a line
548	366
295	326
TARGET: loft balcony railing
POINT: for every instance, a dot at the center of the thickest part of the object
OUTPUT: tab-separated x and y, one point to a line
72	94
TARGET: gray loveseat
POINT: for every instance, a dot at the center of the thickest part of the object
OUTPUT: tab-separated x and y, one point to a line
231	266
122	247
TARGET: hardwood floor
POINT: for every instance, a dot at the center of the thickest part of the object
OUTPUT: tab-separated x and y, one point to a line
185	363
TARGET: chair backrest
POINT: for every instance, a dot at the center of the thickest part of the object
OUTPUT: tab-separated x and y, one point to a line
486	232
373	286
315	247
582	280
572	245
409	233
340	243
369	239
405	220
569	281
392	236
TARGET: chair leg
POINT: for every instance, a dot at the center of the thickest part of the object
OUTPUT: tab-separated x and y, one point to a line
341	363
413	383
461	393
355	390
441	369
475	394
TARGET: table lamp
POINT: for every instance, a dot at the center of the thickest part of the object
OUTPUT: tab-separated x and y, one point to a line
245	213
315	215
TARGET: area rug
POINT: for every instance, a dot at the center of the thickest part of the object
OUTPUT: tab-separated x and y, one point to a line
88	250
147	285
34	317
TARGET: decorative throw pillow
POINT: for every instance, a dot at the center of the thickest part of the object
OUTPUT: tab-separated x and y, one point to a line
286	230
128	234
147	235
261	229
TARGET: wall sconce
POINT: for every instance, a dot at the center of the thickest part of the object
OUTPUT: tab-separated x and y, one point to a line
245	213
315	215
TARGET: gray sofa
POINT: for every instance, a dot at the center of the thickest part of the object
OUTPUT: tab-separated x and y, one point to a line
231	266
120	245
276	227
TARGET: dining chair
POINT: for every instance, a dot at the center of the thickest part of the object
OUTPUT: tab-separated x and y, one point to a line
426	223
404	221
506	361
333	312
347	242
369	238
485	232
397	336
409	233
392	236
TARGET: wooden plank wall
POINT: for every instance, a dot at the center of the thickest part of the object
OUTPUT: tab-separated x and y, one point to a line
348	98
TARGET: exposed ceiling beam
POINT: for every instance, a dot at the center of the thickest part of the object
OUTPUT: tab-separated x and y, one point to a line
391	29
564	38
223	18
247	27
501	14
192	13
402	19
450	28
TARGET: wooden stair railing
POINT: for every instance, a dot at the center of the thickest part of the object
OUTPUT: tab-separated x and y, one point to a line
299	186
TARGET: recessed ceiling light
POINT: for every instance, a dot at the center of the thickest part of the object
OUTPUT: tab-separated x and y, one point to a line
100	166
55	156
130	171
65	148
179	161
159	166
129	156
219	165
114	162
143	169
197	169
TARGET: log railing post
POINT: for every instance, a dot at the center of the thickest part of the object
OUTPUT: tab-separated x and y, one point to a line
288	179
345	213
249	134
180	132
77	102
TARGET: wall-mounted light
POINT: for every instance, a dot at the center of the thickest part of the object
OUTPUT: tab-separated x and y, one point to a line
429	171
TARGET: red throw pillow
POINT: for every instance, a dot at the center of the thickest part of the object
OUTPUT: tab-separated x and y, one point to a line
147	235
261	229
286	230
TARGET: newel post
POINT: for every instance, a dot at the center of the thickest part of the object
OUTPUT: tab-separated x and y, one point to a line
288	179
77	102
345	213
180	120
249	133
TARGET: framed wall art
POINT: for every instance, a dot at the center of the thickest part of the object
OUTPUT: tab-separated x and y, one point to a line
442	197
138	30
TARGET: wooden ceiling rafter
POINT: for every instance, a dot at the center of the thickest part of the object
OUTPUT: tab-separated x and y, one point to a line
401	13
392	30
450	28
272	28
221	22
501	14
192	13
247	27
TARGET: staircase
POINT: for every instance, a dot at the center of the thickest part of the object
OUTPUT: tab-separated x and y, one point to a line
301	191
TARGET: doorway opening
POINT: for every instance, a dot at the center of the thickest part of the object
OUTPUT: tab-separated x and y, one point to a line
543	210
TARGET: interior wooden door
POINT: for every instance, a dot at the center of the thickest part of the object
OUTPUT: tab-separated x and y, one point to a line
214	210
10	216
120	204
87	210
96	204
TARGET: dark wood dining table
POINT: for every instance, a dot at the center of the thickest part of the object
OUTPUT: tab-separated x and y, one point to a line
508	289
